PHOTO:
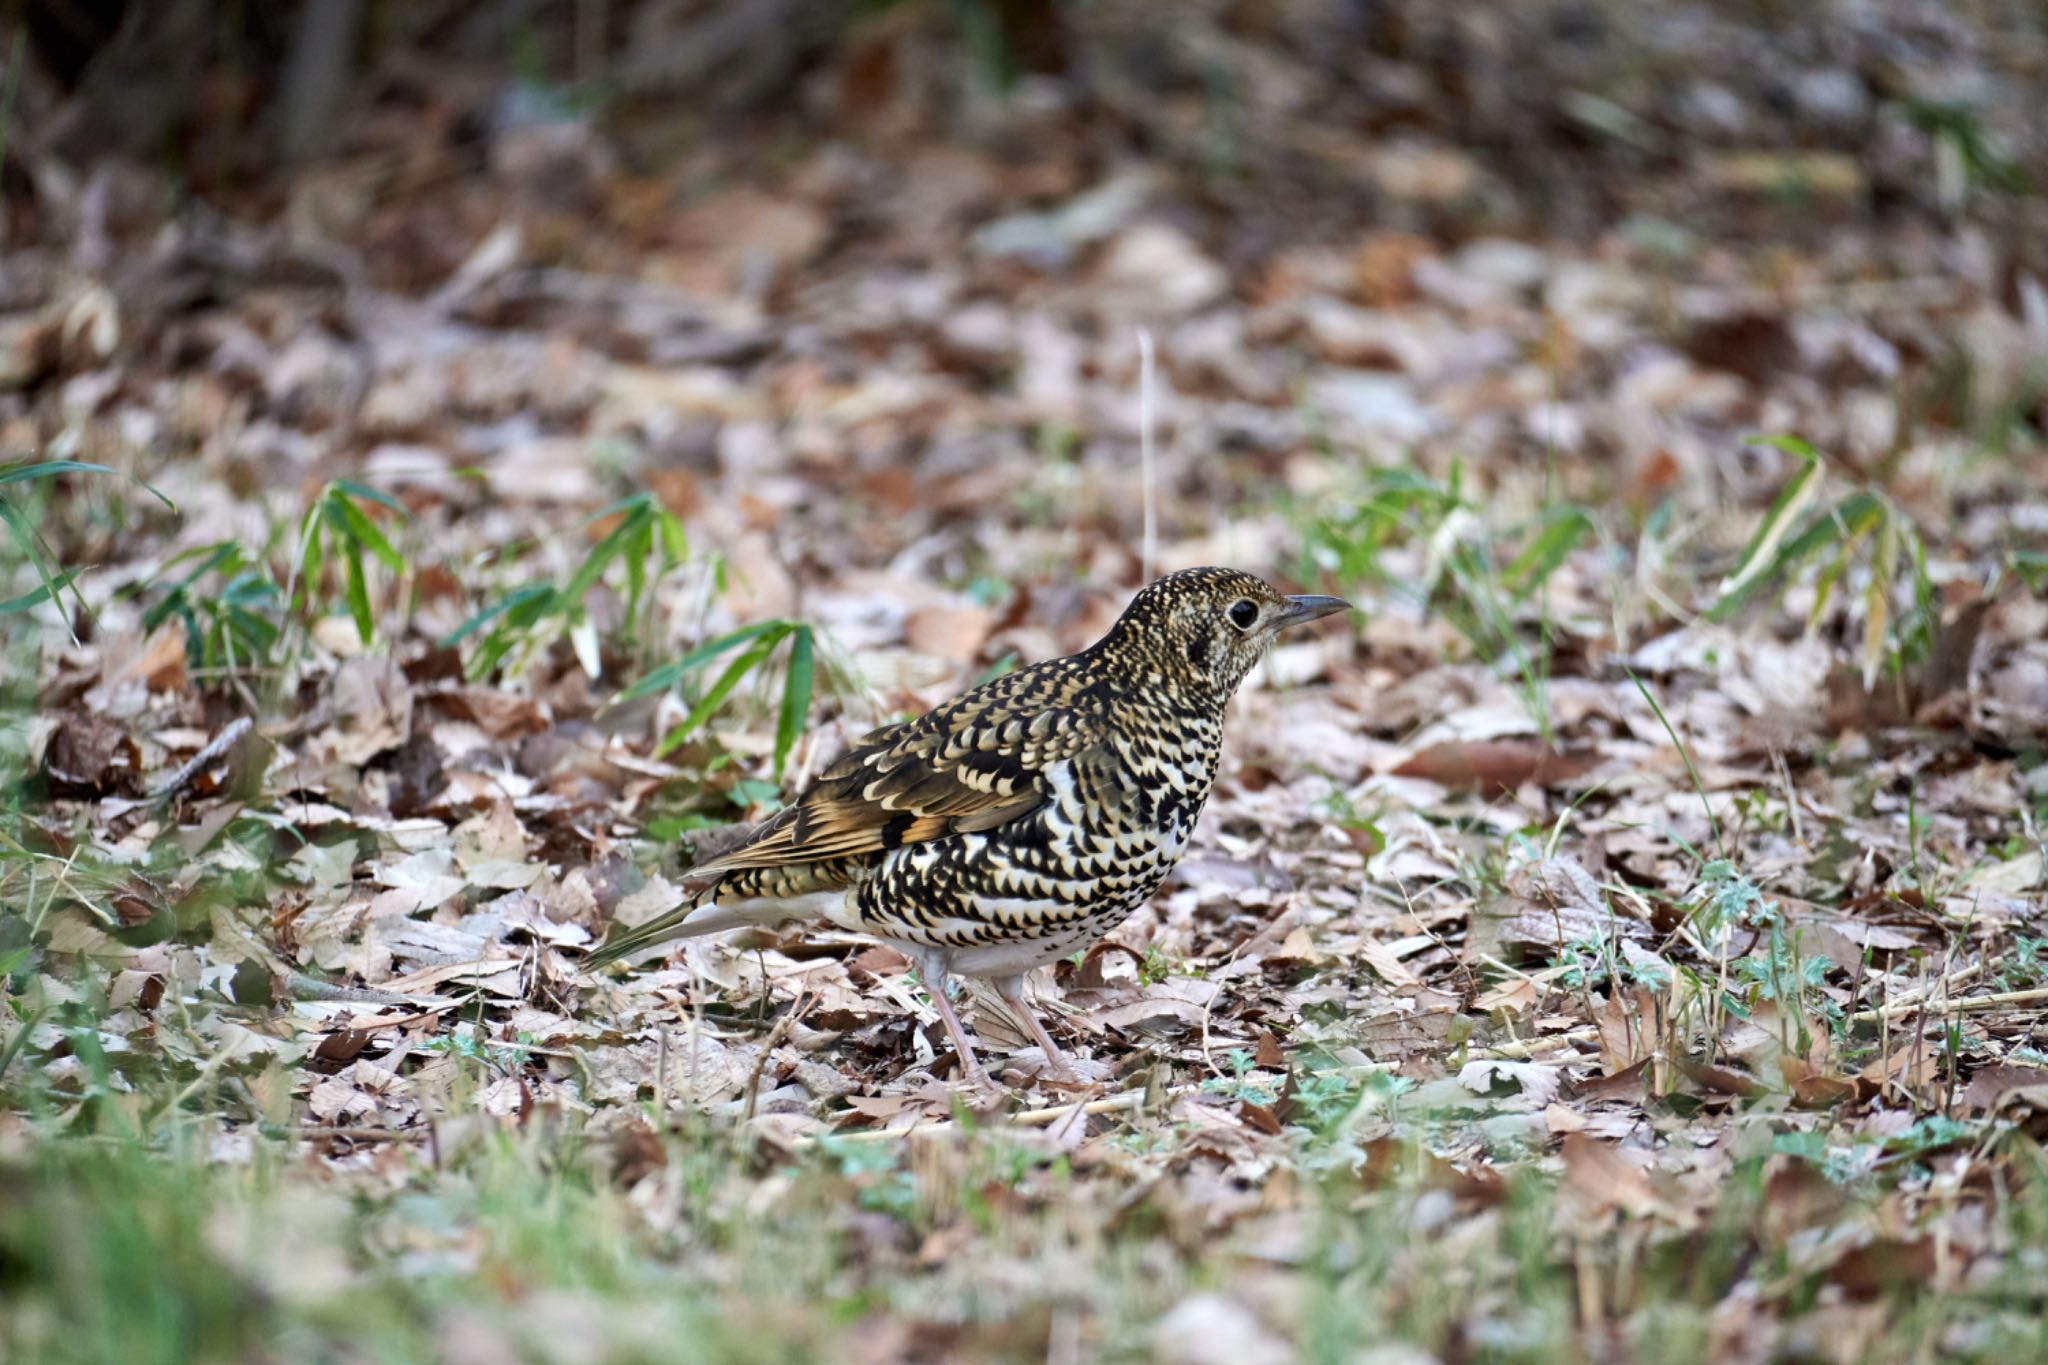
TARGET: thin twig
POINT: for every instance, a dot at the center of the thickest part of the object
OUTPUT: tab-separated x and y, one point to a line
775	1039
1974	1004
1145	415
230	734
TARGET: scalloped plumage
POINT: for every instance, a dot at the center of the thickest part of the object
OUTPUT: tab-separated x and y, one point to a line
1019	821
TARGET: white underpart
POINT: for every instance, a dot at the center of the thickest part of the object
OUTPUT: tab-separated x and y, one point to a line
829	906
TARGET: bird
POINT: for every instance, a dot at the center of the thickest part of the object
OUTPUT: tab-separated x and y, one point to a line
1016	823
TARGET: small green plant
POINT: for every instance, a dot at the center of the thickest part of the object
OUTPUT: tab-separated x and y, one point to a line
874	1169
1725	899
646	541
1592	961
337	528
2027	964
1780	974
1862	528
469	1043
1245	1082
1967	153
755	644
1484	580
229	627
1158	965
27	539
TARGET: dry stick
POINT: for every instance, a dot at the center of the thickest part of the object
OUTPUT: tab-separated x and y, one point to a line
661	1076
1974	1004
1151	542
775	1037
1791	797
202	760
1911	1000
1519	1050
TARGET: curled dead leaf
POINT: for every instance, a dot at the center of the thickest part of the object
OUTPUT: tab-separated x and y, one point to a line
1492	766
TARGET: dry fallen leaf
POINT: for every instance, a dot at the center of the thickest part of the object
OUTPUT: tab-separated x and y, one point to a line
1496	766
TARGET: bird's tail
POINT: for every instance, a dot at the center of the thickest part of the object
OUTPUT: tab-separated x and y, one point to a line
685	921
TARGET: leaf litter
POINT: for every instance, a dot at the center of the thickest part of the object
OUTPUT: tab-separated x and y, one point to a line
1653	878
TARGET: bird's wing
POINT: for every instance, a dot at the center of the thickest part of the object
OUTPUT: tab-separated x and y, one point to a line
972	765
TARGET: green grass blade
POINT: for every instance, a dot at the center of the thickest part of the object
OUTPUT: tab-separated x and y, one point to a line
668	675
738	669
358	593
1760	554
360	530
796	697
41	593
27	471
1685	754
364	493
1564	529
601	555
532	592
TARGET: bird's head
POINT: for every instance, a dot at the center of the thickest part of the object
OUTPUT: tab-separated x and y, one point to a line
1206	628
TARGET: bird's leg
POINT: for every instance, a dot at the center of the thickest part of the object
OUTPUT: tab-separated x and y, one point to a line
1011	988
932	969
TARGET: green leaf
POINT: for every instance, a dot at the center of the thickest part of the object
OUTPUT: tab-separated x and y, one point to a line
668	675
48	469
746	663
359	595
28	471
675	541
310	547
1791	500
796	697
749	791
594	564
362	531
1877	600
1564	528
25	536
368	494
532	592
48	589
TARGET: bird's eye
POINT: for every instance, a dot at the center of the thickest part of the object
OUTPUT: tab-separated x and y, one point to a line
1243	612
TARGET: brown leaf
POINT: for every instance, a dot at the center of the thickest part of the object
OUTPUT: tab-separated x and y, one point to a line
1721	1080
1600	1173
637	1152
1987	1090
91	756
338	1049
1630	1025
1390	968
1797	1196
1917	1063
1884	1264
1561	1119
1757	346
1496	765
1625	1086
1822	1092
955	633
1260	1117
1266	1053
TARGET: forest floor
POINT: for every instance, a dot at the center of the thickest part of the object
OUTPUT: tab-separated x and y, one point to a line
1622	938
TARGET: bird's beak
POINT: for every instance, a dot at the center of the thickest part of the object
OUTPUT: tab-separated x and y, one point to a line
1308	607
